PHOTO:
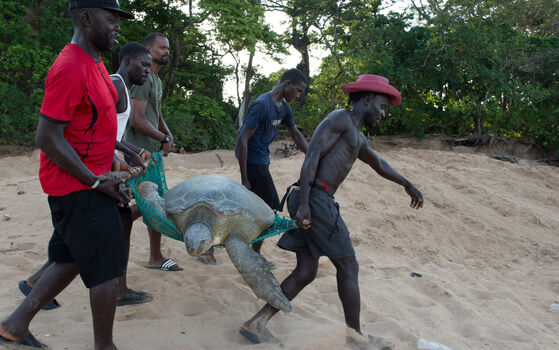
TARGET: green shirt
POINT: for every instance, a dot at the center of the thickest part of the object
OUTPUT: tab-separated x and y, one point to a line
150	92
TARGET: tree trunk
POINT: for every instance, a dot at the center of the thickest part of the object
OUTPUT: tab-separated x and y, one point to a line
172	67
478	130
243	107
301	43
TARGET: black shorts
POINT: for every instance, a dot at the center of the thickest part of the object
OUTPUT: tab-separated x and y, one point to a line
262	184
88	232
328	234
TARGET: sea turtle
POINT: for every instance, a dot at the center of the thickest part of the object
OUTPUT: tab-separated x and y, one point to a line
214	210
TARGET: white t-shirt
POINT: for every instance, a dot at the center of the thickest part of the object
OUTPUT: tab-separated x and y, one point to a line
122	118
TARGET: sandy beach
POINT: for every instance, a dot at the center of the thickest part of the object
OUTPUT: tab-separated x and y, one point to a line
486	244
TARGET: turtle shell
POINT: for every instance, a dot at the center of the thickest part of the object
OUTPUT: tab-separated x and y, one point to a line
222	204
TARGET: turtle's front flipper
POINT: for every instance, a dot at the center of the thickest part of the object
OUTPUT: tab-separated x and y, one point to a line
256	273
148	190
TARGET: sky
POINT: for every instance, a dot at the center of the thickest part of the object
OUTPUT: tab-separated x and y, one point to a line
265	65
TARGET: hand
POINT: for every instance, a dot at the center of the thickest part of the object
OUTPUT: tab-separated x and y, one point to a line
166	148
416	196
119	164
147	155
303	217
112	188
171	143
246	184
136	160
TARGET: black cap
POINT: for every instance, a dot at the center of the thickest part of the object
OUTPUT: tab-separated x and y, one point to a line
111	5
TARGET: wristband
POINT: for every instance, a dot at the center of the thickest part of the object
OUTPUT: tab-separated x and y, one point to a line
141	152
96	184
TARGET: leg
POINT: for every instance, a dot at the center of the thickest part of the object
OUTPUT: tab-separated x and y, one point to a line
26	285
53	280
31	280
263	186
156	258
348	289
103	305
304	273
135	212
257	246
125	295
126	222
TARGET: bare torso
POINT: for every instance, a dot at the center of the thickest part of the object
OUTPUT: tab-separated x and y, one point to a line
336	162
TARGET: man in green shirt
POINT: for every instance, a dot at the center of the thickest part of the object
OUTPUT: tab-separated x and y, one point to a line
147	129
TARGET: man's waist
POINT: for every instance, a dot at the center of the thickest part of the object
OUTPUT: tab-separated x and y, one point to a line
318	185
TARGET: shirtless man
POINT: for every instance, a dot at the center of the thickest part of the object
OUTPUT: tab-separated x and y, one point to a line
336	143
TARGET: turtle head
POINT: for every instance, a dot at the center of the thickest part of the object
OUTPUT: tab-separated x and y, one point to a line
197	238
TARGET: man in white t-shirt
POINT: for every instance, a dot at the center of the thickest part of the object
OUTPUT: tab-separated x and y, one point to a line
134	67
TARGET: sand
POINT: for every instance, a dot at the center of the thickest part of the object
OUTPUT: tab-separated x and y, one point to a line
486	244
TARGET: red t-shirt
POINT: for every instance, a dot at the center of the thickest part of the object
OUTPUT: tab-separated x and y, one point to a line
79	93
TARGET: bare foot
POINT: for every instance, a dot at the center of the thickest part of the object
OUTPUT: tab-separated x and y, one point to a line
262	335
13	339
358	341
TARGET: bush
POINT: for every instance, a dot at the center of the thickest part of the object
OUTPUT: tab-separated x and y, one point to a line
18	117
199	123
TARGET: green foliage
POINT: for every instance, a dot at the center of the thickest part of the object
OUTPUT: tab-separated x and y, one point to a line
199	123
465	67
18	120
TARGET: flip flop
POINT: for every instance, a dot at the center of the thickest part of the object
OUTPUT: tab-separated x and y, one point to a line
26	342
167	265
134	297
25	290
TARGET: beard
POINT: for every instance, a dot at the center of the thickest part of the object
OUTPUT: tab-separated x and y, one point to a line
371	121
162	60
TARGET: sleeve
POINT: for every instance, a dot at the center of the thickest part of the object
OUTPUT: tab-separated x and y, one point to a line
255	113
141	92
288	117
65	90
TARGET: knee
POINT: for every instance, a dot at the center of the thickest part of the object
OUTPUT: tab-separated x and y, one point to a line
305	276
348	267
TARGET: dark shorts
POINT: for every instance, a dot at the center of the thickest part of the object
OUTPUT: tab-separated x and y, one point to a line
328	234
88	232
262	184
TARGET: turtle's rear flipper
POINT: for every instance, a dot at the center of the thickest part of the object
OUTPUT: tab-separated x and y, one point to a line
256	273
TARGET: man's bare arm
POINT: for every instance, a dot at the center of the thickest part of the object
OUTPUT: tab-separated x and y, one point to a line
324	138
121	93
133	153
367	155
139	122
298	138
168	146
242	150
50	138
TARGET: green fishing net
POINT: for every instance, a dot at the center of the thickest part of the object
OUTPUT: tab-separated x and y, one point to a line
152	218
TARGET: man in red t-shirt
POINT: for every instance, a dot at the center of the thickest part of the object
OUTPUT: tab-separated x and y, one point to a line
77	134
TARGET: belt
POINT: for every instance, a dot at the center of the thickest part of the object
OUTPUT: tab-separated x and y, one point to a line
317	183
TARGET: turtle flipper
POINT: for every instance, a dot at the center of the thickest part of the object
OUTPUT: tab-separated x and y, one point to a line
148	190
256	273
